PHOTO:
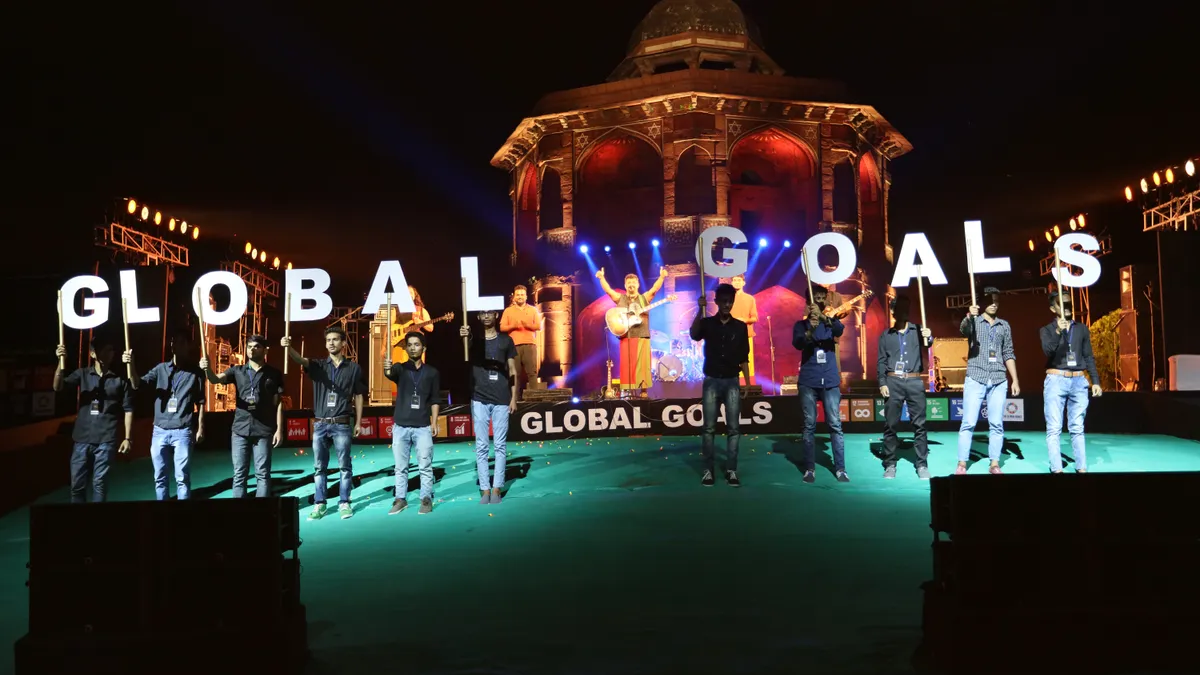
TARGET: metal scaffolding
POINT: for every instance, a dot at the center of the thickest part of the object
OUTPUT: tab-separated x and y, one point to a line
963	301
1177	213
260	286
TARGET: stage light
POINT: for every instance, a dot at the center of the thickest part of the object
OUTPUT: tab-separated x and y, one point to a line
787	243
1082	221
632	245
583	249
289	266
275	263
608	249
1128	193
195	232
145	212
762	243
183	227
1073	225
1031	246
574	399
1190	168
171	225
263	257
1145	188
1170	175
158	217
654	243
1049	236
132	206
249	247
1057	232
253	253
1157	179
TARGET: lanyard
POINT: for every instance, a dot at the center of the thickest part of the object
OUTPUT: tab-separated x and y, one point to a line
416	380
1070	328
903	338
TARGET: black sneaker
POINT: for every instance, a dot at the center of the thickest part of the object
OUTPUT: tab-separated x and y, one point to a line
398	505
842	477
707	479
732	479
810	476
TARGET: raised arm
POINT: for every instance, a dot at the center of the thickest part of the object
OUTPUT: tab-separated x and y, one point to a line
662	276
696	332
967	326
1051	340
212	377
286	343
608	290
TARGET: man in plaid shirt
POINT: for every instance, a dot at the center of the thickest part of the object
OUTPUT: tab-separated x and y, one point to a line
990	366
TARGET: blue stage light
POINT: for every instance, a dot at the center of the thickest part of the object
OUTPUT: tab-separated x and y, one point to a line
608	249
762	243
575	399
583	249
787	244
632	245
654	243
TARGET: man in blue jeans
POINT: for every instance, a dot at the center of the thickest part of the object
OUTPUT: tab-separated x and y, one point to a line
726	360
104	398
493	397
414	421
820	378
178	415
1068	349
337	384
258	420
990	365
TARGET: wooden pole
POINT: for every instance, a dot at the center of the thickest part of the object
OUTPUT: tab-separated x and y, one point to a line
1058	282
125	320
62	360
921	294
700	256
807	273
203	330
387	327
287	330
466	341
301	374
971	272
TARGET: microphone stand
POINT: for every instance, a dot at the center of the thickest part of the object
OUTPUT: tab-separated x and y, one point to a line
771	339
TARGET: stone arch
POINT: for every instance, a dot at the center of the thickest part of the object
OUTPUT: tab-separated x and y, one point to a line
525	216
774	184
695	187
619	188
871	207
608	134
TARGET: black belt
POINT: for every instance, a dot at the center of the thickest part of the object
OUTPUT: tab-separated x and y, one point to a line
344	419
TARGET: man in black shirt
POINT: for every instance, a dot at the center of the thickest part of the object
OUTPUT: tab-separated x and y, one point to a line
414	421
178	415
104	397
1068	349
726	359
900	369
258	420
493	398
336	382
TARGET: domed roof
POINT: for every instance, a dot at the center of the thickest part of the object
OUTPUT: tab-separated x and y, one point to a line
673	17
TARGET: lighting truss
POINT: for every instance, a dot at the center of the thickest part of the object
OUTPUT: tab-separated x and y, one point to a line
1047	263
963	301
152	249
254	278
1174	214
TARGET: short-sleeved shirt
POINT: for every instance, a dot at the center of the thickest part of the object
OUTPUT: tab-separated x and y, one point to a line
258	393
489	369
642	330
334	387
177	391
425	383
103	401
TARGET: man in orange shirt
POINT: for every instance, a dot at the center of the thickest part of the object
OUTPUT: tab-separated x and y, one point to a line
745	309
521	322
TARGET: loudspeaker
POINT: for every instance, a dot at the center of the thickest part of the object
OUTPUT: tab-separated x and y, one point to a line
382	390
1135	332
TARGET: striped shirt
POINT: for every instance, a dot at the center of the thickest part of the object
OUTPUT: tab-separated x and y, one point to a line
989	348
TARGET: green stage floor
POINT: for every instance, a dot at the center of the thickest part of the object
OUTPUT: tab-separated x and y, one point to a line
607	556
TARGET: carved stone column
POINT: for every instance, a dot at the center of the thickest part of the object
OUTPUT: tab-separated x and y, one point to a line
566	183
721	178
670	169
827	160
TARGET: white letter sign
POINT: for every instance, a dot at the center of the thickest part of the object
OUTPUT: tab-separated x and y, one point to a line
135	314
237	298
293	284
470	272
389	270
1068	256
915	244
980	264
96	308
737	256
847	258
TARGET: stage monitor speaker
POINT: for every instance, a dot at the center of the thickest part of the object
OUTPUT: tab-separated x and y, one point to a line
951	352
1135	332
121	568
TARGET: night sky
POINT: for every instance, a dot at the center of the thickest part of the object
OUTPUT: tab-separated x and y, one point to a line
331	132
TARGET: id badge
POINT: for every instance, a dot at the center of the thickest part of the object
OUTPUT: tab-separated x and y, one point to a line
95	409
330	401
172	405
251	400
992	357
416	402
900	367
1071	359
820	354
493	376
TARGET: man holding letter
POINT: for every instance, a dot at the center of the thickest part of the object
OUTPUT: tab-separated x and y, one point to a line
1068	349
337	382
990	361
414	421
258	420
821	379
901	364
726	356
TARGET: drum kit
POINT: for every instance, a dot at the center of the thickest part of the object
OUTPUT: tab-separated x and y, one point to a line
676	359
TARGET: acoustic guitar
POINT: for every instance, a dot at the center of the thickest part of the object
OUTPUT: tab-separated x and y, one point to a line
621	319
847	306
398	332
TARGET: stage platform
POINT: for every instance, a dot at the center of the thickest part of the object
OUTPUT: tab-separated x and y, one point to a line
607	556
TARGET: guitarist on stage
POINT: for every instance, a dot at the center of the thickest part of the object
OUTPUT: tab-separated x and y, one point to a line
635	344
405	323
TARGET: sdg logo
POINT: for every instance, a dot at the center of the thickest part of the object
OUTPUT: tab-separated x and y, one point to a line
862	410
937	410
956	409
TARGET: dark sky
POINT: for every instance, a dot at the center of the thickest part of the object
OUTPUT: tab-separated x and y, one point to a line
364	130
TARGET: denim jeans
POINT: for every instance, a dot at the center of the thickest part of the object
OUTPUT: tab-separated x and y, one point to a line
1072	391
167	444
974	394
717	391
90	460
832	398
340	437
242	446
403	438
481	414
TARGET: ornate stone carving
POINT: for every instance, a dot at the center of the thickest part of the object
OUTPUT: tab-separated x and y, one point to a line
714	220
559	238
679	230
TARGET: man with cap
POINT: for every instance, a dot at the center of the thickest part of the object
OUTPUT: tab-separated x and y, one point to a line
990	365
